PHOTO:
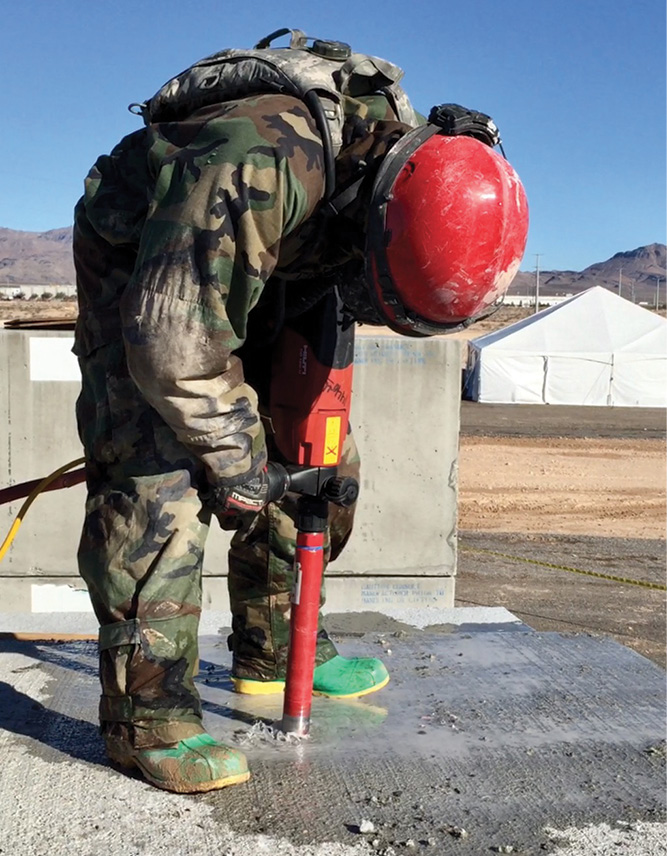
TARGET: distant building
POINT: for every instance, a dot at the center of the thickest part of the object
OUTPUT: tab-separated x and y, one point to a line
28	290
528	300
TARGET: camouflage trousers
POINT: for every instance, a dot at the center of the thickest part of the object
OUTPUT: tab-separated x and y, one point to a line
141	554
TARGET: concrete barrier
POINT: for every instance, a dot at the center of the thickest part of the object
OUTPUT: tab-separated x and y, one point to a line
405	417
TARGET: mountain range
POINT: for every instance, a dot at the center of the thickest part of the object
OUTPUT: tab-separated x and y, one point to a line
45	258
634	272
36	258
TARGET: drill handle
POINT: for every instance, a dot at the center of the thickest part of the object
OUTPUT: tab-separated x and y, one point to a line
279	481
322	483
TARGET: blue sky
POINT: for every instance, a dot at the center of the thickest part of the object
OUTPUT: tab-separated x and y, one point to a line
577	88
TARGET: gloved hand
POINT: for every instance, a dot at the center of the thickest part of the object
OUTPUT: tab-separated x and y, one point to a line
228	501
251	495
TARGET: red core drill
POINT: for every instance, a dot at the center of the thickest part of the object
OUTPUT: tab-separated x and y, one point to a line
311	389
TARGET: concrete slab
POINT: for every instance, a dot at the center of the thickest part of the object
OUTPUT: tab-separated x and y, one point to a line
490	741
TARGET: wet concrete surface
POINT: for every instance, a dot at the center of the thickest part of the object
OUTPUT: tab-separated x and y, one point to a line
480	741
547	598
543	420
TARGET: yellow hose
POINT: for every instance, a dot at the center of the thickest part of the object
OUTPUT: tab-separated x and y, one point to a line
29	501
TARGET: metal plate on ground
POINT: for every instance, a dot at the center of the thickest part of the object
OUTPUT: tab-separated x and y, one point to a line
498	734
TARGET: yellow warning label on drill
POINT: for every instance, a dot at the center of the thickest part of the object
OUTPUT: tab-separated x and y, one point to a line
331	441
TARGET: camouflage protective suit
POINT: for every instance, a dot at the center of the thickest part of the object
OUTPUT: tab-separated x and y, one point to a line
183	230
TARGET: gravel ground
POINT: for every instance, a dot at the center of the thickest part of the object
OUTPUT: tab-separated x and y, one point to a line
539	420
635	839
550	599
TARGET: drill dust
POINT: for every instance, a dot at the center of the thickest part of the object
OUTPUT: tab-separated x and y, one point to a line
264	733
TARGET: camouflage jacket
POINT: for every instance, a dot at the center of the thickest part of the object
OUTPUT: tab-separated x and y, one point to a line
179	231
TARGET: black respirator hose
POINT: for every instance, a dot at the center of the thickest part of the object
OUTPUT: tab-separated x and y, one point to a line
314	104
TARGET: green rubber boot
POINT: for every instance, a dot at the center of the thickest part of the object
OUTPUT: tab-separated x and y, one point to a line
195	765
343	678
337	678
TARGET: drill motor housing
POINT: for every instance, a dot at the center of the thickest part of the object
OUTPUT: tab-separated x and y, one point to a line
311	384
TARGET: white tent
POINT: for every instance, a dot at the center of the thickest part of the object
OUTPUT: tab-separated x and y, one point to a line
595	348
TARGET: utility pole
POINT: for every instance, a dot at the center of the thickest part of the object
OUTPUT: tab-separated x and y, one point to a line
537	281
620	272
657	292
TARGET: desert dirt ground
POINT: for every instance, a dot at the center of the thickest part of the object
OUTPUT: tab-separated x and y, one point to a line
573	486
67	309
545	488
26	310
542	489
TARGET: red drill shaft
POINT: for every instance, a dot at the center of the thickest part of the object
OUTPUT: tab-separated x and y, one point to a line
309	567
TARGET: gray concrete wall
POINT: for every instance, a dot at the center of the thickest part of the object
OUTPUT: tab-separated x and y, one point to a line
405	417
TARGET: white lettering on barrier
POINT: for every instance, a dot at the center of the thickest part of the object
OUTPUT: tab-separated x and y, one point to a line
399	594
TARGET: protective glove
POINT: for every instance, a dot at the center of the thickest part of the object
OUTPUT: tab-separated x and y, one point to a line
251	495
228	501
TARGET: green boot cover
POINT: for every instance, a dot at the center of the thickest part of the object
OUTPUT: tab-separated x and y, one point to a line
194	765
343	678
339	677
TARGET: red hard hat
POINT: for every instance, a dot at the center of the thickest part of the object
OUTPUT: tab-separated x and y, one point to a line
447	229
